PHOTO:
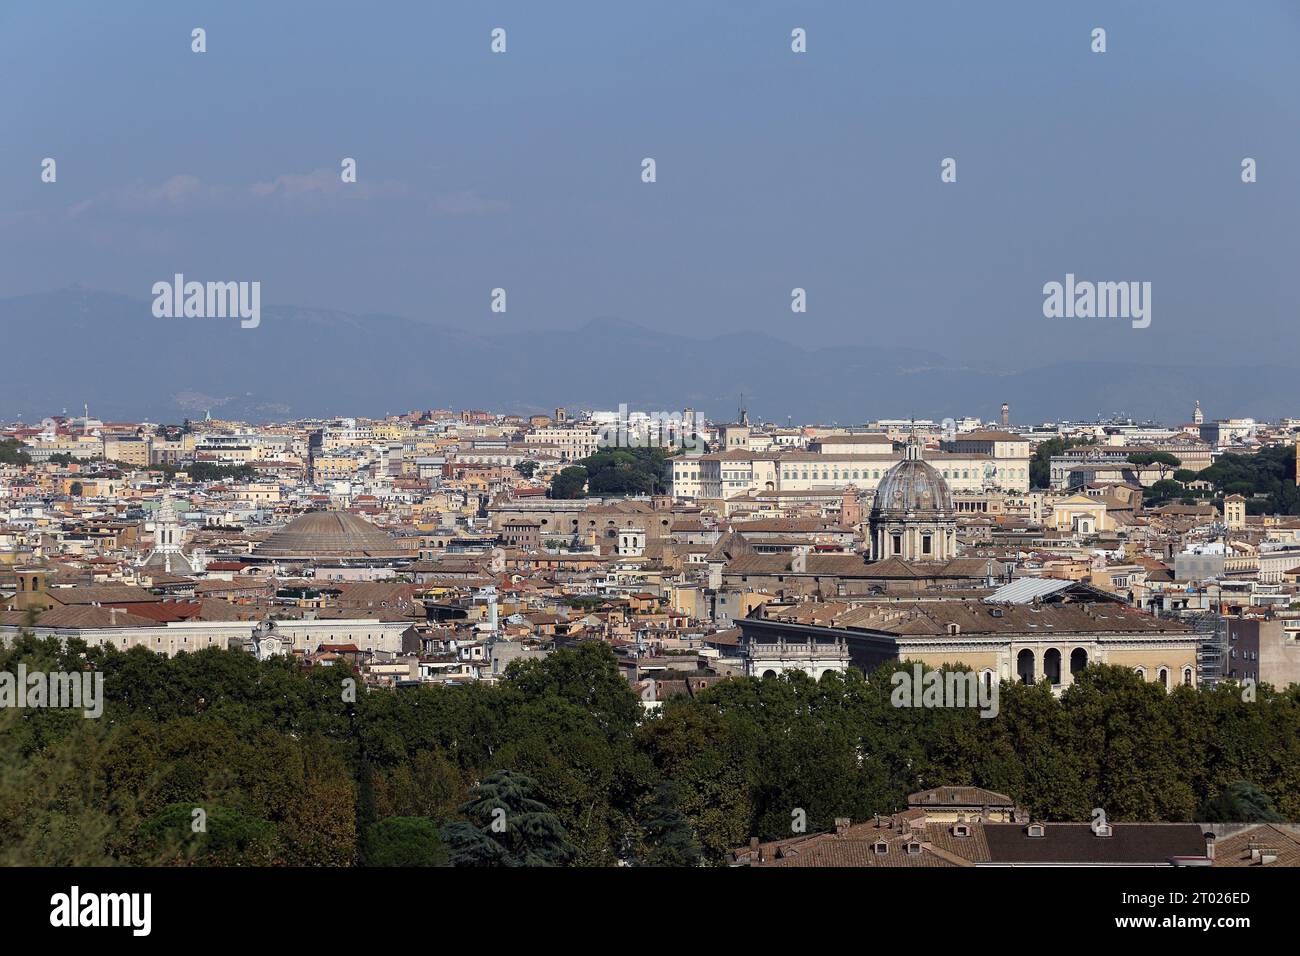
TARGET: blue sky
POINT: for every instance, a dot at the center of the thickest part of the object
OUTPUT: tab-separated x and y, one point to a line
775	170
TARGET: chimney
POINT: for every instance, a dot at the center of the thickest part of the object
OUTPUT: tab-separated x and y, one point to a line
1209	844
841	825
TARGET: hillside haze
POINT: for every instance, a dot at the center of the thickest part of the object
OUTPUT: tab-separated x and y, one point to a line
75	346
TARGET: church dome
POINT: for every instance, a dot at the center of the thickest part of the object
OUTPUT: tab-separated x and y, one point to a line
912	485
320	535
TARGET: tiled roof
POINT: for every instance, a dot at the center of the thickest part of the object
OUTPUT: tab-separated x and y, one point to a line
1149	843
959	797
1249	847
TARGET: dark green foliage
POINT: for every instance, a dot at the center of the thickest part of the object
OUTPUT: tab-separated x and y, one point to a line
507	826
207	471
404	841
1164	490
1269	473
1239	802
1163	461
1040	466
570	483
290	773
12	452
227	837
627	471
66	458
669	839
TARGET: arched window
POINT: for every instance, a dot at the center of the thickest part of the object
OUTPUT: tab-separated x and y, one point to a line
1025	666
1052	665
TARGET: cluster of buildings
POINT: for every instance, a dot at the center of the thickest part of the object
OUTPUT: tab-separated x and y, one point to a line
974	827
428	547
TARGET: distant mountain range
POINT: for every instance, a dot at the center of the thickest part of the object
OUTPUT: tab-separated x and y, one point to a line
62	349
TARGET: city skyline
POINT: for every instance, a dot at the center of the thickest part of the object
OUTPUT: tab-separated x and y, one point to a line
795	434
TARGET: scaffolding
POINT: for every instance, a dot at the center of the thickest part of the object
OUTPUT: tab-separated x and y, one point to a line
1211	647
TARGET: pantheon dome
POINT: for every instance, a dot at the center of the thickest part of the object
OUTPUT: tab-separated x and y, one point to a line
330	536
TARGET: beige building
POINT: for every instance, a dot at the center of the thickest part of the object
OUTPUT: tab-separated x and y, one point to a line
131	450
1080	514
571	443
730	474
1001	642
1234	512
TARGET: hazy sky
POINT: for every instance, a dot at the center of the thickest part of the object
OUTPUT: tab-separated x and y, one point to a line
775	169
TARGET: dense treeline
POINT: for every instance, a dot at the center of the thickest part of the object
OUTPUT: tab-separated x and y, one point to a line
1268	474
285	769
1040	465
614	471
12	452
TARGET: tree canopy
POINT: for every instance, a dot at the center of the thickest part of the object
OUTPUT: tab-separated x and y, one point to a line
562	753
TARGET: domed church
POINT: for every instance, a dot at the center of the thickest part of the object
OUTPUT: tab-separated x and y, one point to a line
912	518
319	537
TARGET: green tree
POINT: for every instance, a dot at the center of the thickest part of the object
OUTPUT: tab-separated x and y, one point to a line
1239	802
1040	466
404	841
506	826
1164	490
225	837
570	483
1266	477
1163	461
668	837
627	471
12	452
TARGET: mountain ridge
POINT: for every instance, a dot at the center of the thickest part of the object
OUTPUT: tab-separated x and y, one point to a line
76	345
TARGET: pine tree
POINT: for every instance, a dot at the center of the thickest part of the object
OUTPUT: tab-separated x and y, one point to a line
669	839
507	827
